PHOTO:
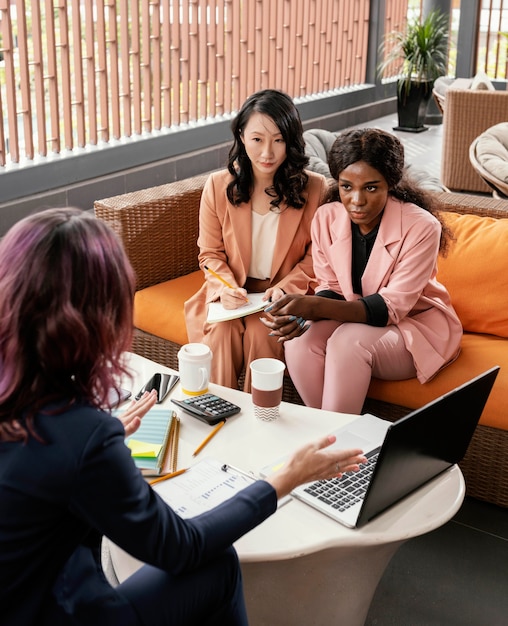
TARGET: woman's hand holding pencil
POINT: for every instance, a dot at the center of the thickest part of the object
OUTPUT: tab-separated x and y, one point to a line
230	299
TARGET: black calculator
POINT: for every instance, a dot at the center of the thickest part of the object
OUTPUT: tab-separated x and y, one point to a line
208	407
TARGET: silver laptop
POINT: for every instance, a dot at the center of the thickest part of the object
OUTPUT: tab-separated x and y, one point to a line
402	456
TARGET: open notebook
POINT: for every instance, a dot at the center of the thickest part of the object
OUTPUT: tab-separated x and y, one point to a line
403	455
217	313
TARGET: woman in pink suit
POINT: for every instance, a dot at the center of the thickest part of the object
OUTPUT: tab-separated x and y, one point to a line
379	309
254	232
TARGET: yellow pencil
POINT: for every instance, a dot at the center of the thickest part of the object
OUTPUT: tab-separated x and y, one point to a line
207	439
166	476
174	445
222	280
168	442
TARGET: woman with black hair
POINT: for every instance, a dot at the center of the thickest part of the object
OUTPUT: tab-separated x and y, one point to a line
379	309
255	232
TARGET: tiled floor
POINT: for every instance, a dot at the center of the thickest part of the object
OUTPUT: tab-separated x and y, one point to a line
422	150
458	574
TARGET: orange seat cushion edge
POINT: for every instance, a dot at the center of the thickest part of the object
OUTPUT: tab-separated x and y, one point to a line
158	309
478	354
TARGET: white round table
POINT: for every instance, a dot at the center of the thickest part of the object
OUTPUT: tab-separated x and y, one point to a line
299	566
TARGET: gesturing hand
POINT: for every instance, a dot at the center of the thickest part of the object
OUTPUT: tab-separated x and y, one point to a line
315	461
137	409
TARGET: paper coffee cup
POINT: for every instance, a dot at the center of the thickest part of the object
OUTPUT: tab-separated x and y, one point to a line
267	376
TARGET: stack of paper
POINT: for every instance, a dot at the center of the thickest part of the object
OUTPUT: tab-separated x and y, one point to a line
202	487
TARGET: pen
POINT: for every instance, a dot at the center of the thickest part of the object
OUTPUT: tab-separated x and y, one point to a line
167	476
222	280
207	439
237	470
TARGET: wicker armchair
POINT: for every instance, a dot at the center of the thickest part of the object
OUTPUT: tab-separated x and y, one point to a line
489	157
467	113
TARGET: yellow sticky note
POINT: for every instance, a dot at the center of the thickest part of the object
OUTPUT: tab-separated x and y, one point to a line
143	448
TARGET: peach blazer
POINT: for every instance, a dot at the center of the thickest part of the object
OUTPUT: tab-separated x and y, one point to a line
402	268
225	243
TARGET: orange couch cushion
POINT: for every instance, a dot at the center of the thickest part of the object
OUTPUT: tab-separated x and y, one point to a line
159	309
475	272
479	353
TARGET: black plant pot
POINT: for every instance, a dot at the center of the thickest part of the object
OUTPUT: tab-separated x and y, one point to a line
412	107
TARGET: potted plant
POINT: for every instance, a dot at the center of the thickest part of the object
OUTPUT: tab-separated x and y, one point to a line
418	56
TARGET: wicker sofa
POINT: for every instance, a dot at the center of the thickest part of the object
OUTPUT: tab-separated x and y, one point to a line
159	228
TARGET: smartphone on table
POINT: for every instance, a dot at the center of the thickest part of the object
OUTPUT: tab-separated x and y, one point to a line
115	399
162	383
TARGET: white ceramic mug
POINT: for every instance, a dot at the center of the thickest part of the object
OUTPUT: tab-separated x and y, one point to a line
267	376
194	365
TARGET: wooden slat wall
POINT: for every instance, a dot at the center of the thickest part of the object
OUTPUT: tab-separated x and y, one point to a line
76	73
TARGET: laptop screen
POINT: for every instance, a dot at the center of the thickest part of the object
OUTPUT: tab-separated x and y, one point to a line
426	442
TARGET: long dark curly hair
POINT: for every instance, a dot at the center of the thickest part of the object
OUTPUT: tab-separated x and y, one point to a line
385	153
290	179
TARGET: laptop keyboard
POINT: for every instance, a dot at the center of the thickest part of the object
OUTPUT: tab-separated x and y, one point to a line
343	493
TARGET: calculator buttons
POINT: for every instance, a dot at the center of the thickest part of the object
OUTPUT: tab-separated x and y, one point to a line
208	407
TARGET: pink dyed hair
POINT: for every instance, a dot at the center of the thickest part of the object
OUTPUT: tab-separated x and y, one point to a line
66	296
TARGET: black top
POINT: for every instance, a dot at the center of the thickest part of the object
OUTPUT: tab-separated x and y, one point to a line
375	306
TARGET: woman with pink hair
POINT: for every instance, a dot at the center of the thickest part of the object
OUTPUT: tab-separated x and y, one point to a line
66	476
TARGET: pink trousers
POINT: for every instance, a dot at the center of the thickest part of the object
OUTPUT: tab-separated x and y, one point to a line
332	363
235	344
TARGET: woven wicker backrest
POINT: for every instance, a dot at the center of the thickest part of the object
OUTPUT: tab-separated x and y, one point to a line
158	227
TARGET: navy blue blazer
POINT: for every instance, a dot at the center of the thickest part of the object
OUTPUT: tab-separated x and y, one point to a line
59	497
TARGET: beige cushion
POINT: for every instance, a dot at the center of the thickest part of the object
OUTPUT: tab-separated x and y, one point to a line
482	81
317	145
442	83
492	151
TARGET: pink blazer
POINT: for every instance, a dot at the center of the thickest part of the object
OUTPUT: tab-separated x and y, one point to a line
402	268
225	243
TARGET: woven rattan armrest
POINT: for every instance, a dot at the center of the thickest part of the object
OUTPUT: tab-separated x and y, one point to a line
439	98
468	113
158	227
485	206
